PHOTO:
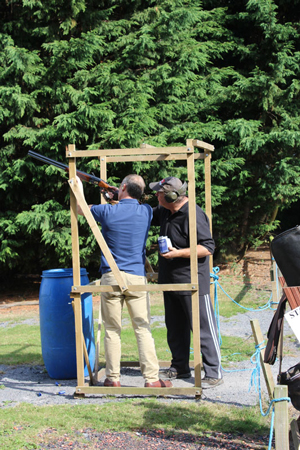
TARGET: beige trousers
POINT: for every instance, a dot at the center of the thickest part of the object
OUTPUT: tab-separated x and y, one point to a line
139	309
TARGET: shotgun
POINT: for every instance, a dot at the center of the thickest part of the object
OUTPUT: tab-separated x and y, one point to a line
104	187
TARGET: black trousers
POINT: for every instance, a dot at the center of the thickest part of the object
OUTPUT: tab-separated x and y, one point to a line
178	318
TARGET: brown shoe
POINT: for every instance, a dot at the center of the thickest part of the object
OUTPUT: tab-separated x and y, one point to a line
109	383
159	383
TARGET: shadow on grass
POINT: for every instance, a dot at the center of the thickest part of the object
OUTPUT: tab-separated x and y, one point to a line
13	354
202	417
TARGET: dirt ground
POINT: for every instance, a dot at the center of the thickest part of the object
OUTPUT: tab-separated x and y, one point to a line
254	267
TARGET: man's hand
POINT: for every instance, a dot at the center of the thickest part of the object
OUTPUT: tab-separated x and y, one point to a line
172	253
111	196
80	185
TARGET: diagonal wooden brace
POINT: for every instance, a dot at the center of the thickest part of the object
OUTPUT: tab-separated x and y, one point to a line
98	235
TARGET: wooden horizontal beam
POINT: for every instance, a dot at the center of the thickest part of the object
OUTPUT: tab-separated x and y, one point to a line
135	288
126	152
137	391
204	145
169	157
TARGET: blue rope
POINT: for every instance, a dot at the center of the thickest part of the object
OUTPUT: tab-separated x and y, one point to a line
255	376
255	380
215	276
216	284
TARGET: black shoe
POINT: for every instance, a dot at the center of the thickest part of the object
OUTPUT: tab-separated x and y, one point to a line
207	383
171	374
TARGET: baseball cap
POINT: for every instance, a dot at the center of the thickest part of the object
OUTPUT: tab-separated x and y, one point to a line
169	183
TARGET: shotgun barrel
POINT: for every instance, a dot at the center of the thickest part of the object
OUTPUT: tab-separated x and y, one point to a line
82	175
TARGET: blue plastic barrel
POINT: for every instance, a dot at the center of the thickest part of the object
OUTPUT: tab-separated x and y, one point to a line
57	324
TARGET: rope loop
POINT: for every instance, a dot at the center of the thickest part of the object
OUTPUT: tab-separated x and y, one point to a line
214	274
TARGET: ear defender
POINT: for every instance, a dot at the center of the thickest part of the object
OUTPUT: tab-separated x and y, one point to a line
172	196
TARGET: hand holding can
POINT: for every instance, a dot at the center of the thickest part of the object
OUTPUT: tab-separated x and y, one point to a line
164	243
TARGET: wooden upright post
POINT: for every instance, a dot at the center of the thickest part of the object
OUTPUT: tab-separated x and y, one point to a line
281	423
76	275
259	339
194	264
207	149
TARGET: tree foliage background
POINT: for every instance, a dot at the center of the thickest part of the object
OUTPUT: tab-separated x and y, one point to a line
107	74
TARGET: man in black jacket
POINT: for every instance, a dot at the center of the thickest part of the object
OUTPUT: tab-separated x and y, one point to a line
174	267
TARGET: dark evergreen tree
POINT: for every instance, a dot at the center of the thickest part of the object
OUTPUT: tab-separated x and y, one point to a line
114	75
260	121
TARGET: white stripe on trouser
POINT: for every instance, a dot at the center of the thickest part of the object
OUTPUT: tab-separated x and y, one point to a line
213	331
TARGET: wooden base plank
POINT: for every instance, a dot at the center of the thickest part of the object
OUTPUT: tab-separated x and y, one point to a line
136	391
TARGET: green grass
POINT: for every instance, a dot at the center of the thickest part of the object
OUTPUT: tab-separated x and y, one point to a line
21	344
235	349
243	293
26	426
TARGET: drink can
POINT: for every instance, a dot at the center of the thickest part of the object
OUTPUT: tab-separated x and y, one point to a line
164	242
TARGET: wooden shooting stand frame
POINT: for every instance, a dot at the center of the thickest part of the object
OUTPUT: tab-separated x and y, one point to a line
144	153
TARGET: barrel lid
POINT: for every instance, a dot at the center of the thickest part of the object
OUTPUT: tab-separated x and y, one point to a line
61	273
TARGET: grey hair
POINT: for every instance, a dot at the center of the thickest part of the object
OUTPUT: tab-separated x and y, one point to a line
135	185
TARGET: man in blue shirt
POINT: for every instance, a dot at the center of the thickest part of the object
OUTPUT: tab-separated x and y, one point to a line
125	228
